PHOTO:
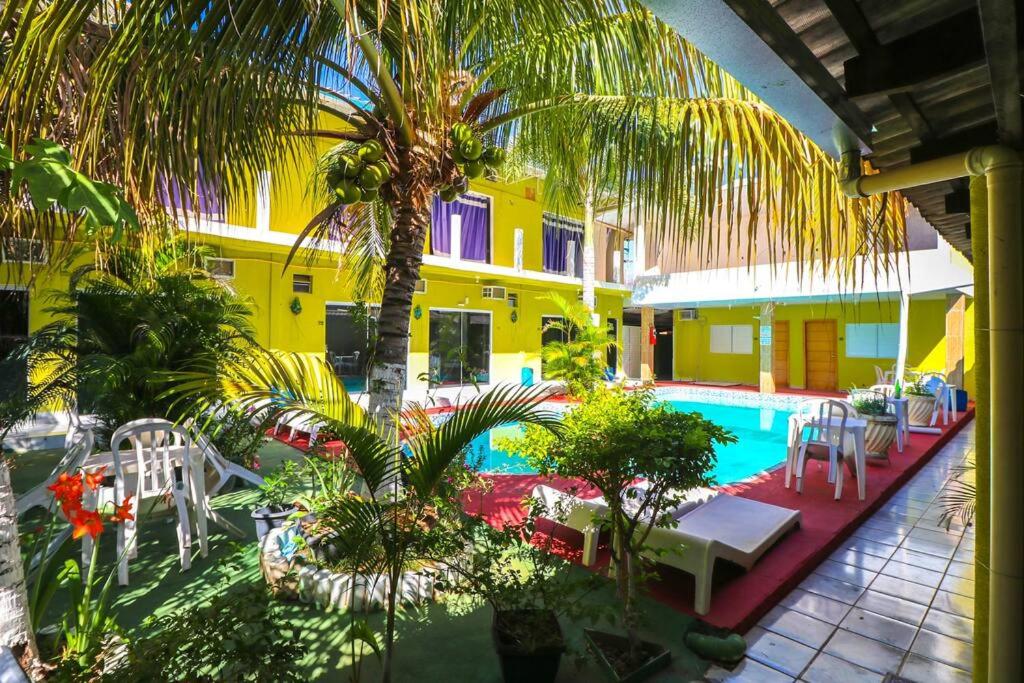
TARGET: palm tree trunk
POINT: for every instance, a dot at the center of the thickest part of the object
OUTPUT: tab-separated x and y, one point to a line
389	367
15	624
589	257
389	627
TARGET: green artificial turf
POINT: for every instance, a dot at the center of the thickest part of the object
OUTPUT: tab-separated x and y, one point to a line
439	642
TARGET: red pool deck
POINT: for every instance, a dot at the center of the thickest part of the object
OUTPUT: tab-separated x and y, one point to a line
741	598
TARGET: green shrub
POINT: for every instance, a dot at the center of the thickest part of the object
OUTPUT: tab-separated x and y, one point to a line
239	636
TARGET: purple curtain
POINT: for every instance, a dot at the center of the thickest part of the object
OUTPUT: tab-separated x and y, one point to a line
556	235
475	212
171	193
441	226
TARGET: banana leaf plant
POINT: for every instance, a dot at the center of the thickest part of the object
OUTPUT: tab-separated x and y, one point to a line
412	486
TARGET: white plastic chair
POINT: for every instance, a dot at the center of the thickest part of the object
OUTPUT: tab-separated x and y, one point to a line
144	467
225	468
820	439
884	376
936	382
78	444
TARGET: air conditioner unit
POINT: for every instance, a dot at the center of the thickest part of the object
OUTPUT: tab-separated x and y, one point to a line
421	287
513	300
491	292
688	314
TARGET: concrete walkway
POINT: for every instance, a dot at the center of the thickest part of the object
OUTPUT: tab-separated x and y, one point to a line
898	597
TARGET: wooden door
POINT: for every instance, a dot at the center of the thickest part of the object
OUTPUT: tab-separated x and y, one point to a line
820	349
780	353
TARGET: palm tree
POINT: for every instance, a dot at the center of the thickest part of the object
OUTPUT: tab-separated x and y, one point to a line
116	330
160	76
401	519
579	357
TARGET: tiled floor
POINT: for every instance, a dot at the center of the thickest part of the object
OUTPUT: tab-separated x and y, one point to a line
897	597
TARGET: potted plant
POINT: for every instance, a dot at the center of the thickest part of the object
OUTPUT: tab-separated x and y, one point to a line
529	588
881	424
611	440
920	404
278	494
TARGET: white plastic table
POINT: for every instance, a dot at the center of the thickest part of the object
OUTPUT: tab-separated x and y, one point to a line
857	427
901	408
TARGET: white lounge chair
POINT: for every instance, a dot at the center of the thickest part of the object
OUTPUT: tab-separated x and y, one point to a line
736	529
581	514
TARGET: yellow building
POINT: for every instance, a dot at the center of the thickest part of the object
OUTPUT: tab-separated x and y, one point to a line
484	280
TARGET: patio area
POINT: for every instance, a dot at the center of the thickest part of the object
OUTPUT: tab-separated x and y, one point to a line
896	597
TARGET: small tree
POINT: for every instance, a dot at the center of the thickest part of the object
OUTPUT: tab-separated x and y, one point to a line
612	440
579	358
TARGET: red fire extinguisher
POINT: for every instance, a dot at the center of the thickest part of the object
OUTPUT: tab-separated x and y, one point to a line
654	335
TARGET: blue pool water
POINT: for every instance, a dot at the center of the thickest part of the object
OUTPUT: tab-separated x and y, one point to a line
761	434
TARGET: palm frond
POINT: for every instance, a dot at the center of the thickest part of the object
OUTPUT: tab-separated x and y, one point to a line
432	452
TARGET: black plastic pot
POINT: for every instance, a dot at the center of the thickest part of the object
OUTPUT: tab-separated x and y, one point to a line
535	664
266	519
606	647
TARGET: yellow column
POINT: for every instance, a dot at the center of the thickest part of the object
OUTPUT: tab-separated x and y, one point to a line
979	248
1006	339
646	348
766	343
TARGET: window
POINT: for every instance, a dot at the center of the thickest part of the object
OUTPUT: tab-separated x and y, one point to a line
735	339
222	268
469	217
302	284
22	250
872	340
460	347
563	245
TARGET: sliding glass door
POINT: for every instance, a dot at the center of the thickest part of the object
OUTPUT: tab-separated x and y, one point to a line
460	347
351	329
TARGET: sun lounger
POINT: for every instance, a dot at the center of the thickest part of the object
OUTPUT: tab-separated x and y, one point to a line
732	528
580	514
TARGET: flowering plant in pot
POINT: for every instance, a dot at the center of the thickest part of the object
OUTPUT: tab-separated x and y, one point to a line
611	440
881	424
529	587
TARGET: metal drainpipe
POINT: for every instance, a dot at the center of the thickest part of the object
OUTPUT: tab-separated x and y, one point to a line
1001	167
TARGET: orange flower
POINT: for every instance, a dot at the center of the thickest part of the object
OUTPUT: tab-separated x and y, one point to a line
86	522
95	479
68	488
122	512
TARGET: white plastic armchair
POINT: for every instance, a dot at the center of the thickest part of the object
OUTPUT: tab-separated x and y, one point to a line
825	440
225	468
937	383
78	444
145	454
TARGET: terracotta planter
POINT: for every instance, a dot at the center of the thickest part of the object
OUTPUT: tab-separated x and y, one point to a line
920	409
879	435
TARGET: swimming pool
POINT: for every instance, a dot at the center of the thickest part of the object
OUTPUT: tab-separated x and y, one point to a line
760	430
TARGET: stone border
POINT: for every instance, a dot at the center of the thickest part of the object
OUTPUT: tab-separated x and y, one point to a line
741	399
295	579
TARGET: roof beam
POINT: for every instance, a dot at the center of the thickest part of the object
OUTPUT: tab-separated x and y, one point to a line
950	45
851	19
985	134
765	21
1001	35
958	201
